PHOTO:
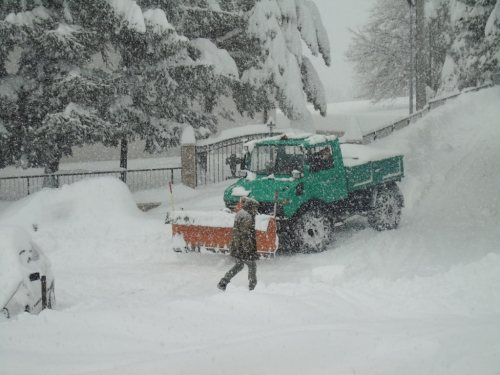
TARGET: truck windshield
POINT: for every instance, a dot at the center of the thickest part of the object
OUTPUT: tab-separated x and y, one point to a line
276	159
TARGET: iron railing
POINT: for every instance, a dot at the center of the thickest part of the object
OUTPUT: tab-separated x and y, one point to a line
13	188
222	160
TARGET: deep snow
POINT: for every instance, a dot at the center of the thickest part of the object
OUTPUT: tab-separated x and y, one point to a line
423	299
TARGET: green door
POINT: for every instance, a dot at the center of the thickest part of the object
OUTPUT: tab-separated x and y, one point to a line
326	175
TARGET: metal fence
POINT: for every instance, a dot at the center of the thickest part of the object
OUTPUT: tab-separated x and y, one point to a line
222	160
13	188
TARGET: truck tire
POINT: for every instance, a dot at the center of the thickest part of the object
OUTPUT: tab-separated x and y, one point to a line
385	213
312	231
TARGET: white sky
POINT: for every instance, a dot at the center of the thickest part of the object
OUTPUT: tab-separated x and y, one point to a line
337	16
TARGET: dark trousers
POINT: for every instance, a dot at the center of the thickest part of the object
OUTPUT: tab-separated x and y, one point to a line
252	271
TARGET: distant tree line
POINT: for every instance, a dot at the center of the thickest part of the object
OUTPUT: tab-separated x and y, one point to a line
110	72
462	46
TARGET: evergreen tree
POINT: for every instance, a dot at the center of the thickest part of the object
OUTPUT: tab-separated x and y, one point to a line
490	64
470	50
51	97
264	38
162	81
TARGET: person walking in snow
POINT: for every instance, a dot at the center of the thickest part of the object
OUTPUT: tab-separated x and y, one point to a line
243	245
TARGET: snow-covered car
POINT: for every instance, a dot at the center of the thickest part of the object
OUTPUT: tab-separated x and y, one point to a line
26	279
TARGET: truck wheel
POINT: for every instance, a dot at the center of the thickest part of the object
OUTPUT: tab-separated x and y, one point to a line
386	208
312	231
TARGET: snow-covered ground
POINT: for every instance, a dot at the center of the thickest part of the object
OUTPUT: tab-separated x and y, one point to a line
363	114
423	299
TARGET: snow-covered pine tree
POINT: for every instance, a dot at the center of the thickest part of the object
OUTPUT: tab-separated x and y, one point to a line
162	81
466	64
52	95
264	38
439	36
281	70
490	64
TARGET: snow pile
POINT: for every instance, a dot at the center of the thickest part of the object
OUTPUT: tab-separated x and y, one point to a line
240	191
318	138
89	205
353	133
188	137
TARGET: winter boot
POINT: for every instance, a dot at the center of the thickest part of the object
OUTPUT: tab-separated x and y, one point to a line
252	285
222	284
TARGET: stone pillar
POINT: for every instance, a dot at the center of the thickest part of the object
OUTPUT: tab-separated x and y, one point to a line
188	163
188	157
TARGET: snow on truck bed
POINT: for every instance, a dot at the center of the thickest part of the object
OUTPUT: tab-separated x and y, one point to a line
354	155
422	299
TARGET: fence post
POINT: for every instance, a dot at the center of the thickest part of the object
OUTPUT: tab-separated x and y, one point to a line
44	292
188	157
123	159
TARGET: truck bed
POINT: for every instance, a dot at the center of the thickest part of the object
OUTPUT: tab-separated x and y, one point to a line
366	166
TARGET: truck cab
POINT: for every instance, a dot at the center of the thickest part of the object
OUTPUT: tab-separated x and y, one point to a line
298	170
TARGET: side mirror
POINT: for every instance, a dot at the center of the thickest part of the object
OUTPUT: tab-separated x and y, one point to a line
242	173
296	175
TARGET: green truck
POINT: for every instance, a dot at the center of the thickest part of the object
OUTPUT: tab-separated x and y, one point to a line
320	183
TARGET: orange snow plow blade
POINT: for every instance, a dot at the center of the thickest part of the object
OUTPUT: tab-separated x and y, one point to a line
194	231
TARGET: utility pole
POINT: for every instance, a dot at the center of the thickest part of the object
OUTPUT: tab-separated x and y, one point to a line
410	78
421	61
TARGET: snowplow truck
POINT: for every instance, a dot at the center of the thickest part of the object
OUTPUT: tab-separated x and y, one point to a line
309	184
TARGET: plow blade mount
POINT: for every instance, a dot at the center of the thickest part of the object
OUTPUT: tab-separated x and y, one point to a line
193	231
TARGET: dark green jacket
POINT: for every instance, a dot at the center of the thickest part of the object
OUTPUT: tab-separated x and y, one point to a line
243	244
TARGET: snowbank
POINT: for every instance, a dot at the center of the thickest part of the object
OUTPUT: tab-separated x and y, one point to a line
99	205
